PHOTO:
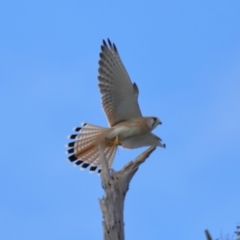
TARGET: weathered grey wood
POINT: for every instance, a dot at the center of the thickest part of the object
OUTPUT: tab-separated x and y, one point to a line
115	185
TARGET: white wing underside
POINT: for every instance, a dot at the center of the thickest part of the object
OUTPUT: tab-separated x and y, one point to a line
148	139
119	95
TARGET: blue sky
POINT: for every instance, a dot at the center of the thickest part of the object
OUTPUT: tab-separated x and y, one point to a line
184	57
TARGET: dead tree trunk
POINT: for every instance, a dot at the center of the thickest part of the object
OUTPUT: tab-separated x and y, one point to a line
115	185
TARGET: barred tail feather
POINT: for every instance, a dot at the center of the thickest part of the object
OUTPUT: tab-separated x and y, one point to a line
109	153
85	150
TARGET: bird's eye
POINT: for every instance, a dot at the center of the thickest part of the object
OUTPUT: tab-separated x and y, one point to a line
154	121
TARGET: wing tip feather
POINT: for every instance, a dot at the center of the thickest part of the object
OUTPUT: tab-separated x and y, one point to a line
109	43
104	43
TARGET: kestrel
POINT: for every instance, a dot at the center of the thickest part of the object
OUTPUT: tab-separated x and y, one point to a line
127	127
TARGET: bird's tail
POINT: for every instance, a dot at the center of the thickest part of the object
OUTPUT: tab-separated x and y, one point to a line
85	149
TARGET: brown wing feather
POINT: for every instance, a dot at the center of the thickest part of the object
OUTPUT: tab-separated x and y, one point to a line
119	95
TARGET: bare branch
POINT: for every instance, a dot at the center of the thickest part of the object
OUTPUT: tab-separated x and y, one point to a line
115	185
208	236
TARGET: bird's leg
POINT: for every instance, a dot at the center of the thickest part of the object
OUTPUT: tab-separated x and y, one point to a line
112	142
115	142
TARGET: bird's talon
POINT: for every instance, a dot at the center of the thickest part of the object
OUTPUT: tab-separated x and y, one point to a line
115	142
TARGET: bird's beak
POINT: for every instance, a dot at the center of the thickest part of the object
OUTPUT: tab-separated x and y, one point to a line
160	123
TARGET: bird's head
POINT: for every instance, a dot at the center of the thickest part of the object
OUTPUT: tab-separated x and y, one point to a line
153	122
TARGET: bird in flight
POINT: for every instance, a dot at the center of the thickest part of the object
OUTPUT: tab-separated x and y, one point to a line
127	127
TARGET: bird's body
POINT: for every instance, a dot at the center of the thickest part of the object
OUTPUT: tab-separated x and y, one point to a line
128	127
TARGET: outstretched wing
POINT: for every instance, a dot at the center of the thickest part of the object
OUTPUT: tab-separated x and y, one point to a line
119	95
148	139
